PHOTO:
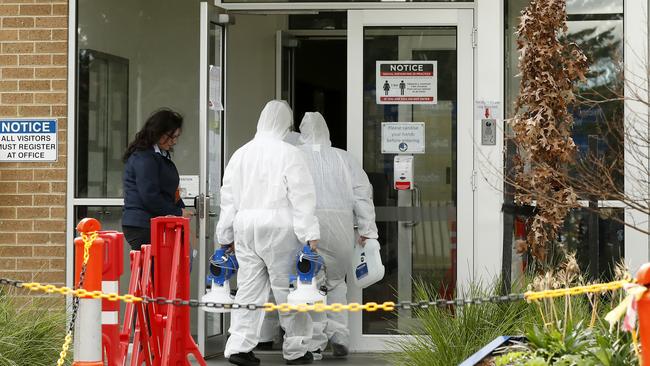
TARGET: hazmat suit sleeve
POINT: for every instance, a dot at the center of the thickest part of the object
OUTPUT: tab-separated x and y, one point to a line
224	232
302	195
364	208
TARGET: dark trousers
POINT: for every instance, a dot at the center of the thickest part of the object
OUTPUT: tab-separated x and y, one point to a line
137	236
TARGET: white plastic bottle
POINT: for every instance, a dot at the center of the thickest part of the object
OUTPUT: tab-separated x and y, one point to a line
367	268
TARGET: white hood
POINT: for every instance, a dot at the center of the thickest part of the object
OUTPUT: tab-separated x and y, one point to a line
313	130
275	120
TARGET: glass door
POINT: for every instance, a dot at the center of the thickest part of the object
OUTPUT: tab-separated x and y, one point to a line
410	82
212	327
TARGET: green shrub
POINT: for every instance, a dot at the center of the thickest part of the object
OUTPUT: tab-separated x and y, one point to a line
560	331
29	335
447	336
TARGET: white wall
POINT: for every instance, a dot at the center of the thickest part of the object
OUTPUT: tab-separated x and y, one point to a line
250	79
488	198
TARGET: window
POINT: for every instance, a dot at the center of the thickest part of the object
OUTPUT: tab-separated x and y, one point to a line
597	27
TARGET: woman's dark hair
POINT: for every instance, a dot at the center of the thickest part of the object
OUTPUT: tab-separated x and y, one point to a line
161	122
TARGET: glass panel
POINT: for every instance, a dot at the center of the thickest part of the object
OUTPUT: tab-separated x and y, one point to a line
600	113
594	6
102	124
416	228
597	237
341	1
163	56
597	27
162	61
602	122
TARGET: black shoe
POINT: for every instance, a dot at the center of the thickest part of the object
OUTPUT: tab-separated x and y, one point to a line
244	359
339	350
318	355
264	346
304	360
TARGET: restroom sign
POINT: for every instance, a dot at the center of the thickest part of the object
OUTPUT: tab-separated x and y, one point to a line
29	140
402	138
407	82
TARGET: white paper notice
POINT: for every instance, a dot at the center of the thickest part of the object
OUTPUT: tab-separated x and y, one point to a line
28	140
402	138
214	101
189	186
487	109
407	82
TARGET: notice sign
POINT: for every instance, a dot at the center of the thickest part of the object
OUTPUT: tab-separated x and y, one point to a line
28	140
407	82
189	186
402	138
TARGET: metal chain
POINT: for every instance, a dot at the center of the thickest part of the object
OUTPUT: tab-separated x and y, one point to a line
443	303
371	306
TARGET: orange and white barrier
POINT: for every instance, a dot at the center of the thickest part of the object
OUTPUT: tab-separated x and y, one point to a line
88	327
113	267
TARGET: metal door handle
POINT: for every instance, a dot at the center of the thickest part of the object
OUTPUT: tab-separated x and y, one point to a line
198	206
417	202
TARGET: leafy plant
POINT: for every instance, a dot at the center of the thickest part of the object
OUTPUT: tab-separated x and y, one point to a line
554	342
570	330
29	334
447	336
614	349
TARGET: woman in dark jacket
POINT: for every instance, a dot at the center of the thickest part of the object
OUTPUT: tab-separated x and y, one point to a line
150	177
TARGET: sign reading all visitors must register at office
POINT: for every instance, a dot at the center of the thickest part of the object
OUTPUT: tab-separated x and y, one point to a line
407	82
32	140
402	138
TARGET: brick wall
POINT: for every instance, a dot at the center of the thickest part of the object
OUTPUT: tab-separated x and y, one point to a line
33	59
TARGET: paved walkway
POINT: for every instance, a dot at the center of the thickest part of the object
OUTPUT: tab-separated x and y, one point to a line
275	359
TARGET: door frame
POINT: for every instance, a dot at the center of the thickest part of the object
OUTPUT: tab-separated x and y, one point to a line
463	19
210	15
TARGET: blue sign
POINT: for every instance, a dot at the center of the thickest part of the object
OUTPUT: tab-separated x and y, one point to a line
28	126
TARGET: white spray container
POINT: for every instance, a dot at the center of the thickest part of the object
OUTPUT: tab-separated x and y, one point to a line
367	268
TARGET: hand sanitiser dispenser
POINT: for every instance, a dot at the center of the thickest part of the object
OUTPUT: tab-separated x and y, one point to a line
367	268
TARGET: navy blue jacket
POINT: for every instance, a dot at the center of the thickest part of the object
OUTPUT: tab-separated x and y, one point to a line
150	183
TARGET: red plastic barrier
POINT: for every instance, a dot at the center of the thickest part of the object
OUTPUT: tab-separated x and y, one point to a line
170	242
162	335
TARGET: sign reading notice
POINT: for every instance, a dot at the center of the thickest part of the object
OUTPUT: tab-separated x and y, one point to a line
28	140
402	138
407	82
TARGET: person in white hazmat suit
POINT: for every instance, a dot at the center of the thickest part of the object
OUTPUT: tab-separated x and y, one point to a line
343	195
270	332
267	211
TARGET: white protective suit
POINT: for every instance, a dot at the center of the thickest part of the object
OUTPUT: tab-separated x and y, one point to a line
267	210
271	325
343	194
